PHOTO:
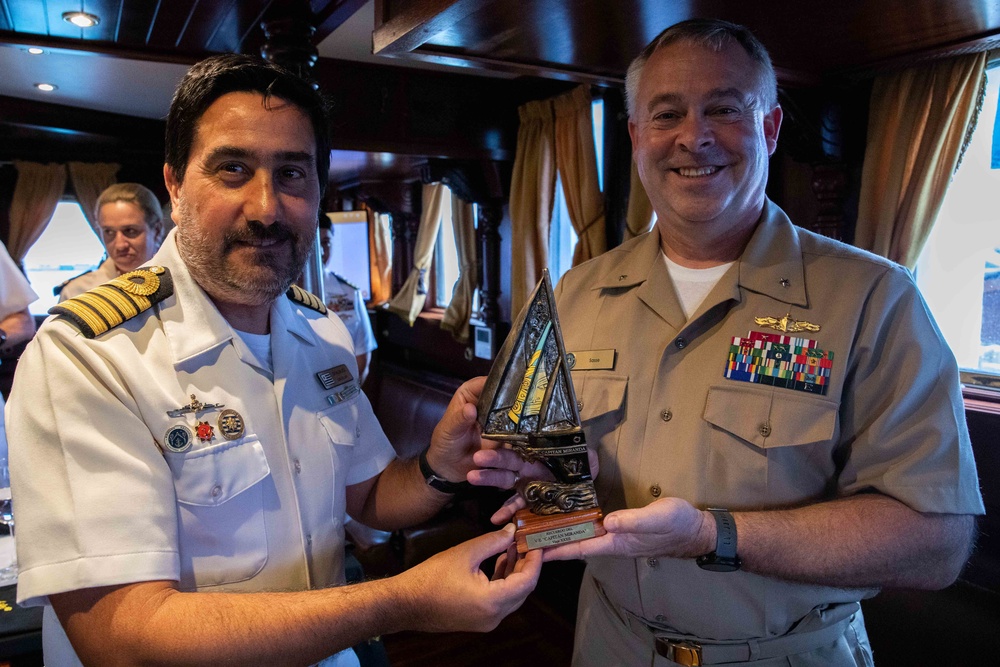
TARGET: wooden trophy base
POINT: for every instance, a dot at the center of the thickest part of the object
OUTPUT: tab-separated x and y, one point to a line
537	531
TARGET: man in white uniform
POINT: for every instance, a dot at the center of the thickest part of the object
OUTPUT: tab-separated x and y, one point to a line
188	439
344	298
16	323
130	221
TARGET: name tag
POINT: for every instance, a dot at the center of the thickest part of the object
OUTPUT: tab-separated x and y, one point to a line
334	377
592	360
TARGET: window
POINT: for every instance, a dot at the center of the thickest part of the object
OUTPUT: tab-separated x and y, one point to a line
562	236
349	249
67	248
959	269
445	264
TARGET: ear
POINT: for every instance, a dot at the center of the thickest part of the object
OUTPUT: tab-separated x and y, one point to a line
633	133
173	188
772	124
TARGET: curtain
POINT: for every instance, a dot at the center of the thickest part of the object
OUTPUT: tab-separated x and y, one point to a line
456	317
38	190
380	256
576	162
919	125
412	295
532	191
639	217
89	181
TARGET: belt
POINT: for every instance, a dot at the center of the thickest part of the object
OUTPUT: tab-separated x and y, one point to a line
686	650
692	651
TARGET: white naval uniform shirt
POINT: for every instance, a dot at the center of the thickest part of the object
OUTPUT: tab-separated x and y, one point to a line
103	501
346	300
76	286
15	295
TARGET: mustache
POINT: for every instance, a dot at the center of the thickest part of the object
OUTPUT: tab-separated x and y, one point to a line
256	232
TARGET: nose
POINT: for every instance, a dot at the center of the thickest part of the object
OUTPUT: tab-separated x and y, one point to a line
694	133
262	199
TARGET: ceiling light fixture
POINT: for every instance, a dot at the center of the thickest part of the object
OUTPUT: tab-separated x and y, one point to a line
35	51
81	19
47	87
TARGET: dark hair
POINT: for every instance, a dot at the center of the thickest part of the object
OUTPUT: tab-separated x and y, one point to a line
324	221
136	194
714	34
219	75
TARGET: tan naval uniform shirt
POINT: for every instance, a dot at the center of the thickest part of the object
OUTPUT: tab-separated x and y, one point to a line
667	422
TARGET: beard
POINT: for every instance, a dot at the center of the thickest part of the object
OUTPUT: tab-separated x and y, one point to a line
233	279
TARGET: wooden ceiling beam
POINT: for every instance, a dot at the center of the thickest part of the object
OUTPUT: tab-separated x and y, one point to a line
417	22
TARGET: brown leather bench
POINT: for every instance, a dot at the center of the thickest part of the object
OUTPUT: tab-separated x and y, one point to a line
409	406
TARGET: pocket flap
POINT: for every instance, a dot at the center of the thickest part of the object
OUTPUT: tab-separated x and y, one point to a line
341	423
769	419
213	475
600	393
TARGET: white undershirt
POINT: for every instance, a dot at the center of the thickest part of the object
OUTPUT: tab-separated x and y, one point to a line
693	285
260	346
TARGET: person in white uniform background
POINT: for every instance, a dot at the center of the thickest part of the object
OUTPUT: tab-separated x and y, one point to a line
130	222
345	299
186	441
16	323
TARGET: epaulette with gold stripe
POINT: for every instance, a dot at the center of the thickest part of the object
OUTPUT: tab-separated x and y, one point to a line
106	306
307	299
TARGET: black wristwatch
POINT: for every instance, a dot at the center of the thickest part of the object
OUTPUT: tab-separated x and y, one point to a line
724	558
435	481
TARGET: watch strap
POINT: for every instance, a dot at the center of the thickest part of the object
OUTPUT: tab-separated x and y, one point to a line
435	481
724	558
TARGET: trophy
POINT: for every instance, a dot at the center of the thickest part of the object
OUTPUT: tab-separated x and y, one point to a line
529	403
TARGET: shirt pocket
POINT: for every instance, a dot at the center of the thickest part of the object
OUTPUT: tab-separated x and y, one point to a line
222	539
601	399
771	419
341	425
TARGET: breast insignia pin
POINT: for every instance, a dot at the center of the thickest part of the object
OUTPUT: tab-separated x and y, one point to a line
178	438
785	324
194	406
205	432
231	425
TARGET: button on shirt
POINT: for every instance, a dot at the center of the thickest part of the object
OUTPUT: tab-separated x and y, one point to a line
733	444
103	500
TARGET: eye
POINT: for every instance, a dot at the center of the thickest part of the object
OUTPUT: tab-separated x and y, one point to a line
292	173
232	169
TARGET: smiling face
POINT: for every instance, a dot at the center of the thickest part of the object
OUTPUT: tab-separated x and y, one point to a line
246	208
701	140
130	242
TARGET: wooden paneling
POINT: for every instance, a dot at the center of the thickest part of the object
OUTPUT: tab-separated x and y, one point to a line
596	39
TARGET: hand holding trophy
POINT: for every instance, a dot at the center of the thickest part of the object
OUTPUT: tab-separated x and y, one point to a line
529	403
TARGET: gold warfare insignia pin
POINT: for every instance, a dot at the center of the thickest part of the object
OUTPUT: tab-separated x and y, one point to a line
785	324
231	425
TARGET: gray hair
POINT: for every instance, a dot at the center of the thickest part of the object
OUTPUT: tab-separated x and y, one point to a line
714	34
133	193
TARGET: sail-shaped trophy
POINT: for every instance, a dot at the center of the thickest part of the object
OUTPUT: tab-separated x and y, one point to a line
529	403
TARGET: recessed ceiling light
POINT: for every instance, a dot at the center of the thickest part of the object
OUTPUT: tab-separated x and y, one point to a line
81	19
35	51
47	87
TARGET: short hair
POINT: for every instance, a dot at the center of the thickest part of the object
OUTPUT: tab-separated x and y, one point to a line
219	75
714	34
325	222
133	193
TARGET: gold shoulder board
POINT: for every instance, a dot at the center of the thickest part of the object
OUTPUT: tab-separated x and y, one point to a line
307	299
106	306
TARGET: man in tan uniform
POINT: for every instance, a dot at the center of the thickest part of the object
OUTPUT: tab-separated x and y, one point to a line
732	360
